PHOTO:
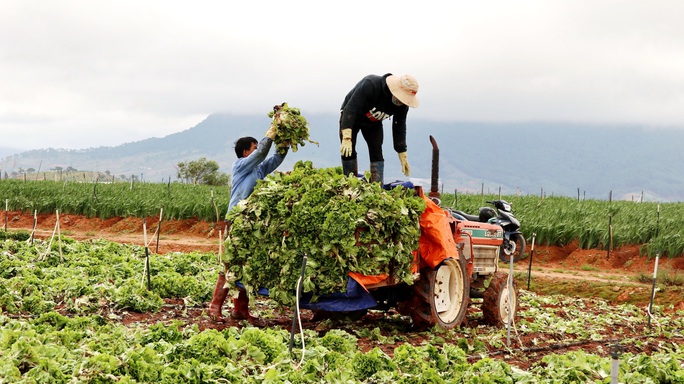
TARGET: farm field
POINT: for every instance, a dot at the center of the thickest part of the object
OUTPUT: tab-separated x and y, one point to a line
554	220
103	332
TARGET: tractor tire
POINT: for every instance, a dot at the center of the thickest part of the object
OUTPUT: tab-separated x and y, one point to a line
515	246
495	307
441	295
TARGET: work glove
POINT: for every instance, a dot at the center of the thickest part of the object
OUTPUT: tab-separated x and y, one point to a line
271	133
404	164
346	146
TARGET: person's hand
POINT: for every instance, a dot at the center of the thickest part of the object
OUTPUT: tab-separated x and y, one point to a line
404	164
271	133
346	146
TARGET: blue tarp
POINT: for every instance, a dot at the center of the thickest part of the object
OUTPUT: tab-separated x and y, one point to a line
398	183
353	299
261	291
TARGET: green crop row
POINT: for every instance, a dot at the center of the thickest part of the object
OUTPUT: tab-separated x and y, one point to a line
592	223
553	220
174	200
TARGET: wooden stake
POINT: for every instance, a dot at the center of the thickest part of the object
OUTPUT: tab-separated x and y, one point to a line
161	210
59	237
610	225
6	212
35	225
220	252
529	269
146	273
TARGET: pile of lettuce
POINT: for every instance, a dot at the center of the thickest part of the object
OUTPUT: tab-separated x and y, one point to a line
342	224
292	129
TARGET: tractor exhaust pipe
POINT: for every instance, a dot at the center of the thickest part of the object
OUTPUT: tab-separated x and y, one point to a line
434	185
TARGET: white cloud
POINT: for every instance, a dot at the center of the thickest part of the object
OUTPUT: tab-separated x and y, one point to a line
80	73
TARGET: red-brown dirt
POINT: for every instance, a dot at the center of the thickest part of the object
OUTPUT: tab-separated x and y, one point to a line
196	235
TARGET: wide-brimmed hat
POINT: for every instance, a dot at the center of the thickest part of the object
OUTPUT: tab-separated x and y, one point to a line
404	88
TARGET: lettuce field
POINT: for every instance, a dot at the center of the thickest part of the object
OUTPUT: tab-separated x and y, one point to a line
87	315
82	311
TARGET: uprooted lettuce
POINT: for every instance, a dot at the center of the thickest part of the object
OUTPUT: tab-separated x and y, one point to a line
292	129
342	224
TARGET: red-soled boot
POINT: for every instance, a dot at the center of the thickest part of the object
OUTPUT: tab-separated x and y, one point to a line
241	306
220	293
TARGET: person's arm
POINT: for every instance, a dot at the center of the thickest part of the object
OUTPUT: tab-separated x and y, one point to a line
271	164
399	138
399	130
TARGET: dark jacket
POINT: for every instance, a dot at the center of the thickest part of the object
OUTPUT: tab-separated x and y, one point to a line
369	103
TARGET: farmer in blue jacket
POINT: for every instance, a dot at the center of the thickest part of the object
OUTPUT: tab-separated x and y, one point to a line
374	99
252	165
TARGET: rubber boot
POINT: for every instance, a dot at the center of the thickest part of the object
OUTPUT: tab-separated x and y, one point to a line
377	170
220	293
241	306
350	166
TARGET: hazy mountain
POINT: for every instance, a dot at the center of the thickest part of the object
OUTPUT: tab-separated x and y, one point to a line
4	151
555	158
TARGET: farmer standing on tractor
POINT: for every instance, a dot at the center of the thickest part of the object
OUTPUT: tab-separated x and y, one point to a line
372	100
251	165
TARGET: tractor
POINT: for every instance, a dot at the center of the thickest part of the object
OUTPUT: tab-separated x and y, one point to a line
457	261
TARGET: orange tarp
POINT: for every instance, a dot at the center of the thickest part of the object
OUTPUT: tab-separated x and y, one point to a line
436	241
368	280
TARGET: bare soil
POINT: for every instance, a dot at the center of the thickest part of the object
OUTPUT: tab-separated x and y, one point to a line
621	276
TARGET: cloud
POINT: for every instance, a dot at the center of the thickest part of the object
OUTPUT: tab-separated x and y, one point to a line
82	73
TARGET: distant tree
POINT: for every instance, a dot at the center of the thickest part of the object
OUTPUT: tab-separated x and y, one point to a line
202	171
71	169
30	170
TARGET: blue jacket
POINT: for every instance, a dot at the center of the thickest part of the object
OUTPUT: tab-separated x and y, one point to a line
247	170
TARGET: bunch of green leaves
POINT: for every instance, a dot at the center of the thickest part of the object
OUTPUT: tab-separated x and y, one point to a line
19	235
292	129
96	274
341	224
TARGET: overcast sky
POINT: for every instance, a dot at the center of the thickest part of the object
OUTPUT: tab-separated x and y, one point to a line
87	73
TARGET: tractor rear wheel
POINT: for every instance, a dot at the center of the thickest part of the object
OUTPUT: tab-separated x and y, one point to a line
441	296
495	305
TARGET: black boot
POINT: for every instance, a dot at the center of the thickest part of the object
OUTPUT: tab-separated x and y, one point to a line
350	166
377	169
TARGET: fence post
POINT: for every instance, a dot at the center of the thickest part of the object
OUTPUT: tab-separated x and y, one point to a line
6	212
610	224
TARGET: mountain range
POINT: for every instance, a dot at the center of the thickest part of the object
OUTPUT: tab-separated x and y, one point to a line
562	159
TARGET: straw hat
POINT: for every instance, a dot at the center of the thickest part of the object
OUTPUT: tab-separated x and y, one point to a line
404	88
